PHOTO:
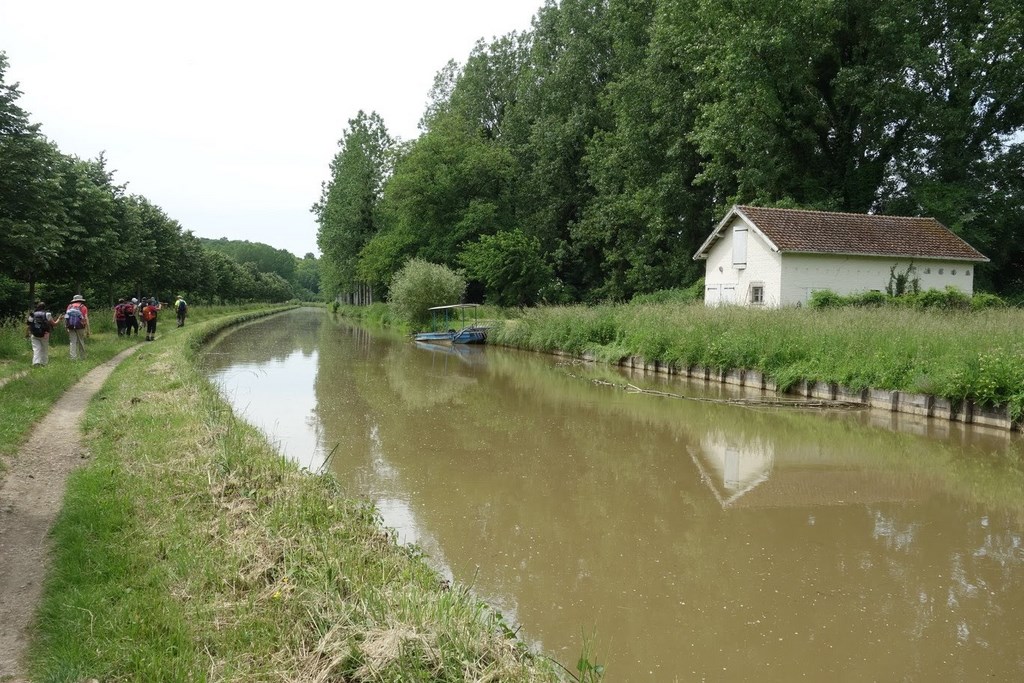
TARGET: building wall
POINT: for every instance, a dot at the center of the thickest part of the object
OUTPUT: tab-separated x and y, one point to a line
790	279
803	274
722	276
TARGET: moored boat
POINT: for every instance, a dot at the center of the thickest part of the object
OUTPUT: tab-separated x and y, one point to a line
445	317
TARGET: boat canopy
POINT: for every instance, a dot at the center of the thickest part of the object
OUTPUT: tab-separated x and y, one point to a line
442	308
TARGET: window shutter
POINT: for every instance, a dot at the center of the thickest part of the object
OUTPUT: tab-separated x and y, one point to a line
739	247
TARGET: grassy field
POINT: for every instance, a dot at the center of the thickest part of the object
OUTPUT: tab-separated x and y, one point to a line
959	355
189	550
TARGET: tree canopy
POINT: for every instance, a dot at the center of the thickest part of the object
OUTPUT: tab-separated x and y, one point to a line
611	135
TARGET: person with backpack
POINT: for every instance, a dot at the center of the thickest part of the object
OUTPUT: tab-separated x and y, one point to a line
40	324
149	316
131	320
119	318
181	309
76	321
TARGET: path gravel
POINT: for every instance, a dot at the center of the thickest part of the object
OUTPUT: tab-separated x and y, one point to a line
30	499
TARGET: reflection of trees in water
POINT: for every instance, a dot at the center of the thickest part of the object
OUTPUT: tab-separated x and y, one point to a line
344	417
423	379
273	338
520	399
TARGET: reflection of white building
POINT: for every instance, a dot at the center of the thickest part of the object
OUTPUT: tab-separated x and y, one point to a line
732	468
748	473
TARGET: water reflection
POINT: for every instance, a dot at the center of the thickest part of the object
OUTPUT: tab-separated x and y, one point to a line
267	372
701	540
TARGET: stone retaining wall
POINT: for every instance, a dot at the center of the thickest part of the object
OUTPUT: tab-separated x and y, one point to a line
924	405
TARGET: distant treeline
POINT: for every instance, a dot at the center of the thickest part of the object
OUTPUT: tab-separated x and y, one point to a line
301	274
588	157
66	227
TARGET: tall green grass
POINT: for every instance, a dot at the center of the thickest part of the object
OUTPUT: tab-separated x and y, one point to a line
957	355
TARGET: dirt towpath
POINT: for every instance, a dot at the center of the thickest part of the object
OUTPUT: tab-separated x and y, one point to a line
30	499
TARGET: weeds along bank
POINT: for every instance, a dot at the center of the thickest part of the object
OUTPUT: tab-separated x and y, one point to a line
975	355
190	539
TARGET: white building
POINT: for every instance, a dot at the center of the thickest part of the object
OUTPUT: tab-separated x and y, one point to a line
779	257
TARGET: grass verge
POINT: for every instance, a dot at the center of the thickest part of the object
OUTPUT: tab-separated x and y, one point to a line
189	550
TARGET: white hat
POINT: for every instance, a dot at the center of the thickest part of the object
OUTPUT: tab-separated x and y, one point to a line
134	300
77	297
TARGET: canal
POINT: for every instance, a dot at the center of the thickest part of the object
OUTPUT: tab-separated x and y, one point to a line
687	539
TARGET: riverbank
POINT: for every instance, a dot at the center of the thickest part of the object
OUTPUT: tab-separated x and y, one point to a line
190	538
28	393
967	361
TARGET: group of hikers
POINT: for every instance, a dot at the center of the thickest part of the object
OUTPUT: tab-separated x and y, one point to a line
76	321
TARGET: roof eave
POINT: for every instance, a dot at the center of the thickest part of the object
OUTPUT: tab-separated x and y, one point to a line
982	259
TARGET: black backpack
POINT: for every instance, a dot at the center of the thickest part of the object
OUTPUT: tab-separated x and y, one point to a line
39	325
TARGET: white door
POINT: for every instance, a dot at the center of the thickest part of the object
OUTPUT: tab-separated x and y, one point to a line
712	295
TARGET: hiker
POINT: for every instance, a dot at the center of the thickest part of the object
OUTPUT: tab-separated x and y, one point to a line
181	308
119	317
149	315
40	324
76	321
131	320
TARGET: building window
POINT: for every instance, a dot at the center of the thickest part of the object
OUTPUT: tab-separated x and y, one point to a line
967	272
927	271
940	271
757	295
739	247
953	272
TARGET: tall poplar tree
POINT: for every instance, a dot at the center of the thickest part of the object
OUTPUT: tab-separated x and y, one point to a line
569	64
347	211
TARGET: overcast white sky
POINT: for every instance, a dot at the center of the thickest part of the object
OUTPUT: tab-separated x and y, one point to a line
227	113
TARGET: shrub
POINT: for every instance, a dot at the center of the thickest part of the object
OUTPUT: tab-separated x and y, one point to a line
983	300
420	285
825	298
949	299
869	299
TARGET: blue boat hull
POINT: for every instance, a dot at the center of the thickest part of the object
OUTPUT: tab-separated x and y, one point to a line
434	336
468	335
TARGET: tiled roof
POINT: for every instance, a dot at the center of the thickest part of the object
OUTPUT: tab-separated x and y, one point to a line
822	232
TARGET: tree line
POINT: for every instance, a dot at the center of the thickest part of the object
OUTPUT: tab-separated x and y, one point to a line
67	227
589	156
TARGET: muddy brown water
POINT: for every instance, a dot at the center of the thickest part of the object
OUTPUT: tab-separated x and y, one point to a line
688	540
